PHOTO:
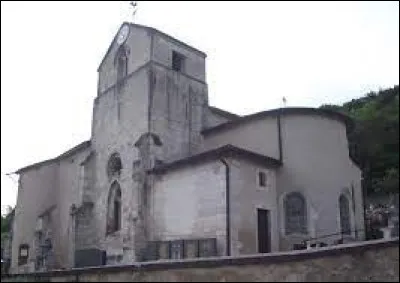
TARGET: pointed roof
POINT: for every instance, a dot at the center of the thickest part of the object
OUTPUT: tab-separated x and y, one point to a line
64	155
227	150
219	111
152	31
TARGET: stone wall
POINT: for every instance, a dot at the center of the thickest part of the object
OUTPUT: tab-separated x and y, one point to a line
162	47
69	192
212	119
316	164
246	197
190	204
176	106
138	49
36	195
260	136
368	261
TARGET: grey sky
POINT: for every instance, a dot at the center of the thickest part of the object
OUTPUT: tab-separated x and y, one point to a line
258	52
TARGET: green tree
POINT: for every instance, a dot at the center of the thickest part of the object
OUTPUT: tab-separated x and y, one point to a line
6	220
374	140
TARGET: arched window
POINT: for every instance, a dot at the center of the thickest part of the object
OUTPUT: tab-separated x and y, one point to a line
114	208
344	210
114	166
295	214
121	61
23	254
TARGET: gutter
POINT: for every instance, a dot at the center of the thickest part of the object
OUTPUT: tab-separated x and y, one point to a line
227	201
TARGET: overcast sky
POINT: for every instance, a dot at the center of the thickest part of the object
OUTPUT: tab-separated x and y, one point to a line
258	52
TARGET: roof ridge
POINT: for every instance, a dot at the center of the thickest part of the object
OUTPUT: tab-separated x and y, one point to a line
347	120
217	153
223	112
65	154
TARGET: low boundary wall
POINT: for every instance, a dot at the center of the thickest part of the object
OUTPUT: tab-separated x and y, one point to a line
367	261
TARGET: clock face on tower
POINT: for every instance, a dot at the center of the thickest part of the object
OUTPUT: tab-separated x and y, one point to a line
123	34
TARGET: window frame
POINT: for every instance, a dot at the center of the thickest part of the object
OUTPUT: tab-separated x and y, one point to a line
264	184
301	218
178	61
114	166
113	224
22	260
121	63
345	232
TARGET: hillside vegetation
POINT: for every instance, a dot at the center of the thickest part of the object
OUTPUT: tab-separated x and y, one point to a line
374	141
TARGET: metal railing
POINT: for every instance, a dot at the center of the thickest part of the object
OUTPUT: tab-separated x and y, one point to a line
375	233
343	235
313	242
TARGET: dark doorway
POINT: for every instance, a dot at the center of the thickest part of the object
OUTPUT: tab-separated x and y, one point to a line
264	240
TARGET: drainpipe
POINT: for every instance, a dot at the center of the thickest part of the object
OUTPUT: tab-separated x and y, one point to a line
278	120
227	201
364	197
353	202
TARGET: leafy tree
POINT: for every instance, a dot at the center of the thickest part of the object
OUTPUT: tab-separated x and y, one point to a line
6	220
374	141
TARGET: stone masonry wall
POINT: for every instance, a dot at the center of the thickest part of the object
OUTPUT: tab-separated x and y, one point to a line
246	197
190	204
316	163
368	261
36	194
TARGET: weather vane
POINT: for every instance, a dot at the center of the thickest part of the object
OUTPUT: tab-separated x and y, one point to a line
134	8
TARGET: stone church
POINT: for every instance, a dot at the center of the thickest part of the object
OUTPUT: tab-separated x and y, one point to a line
167	176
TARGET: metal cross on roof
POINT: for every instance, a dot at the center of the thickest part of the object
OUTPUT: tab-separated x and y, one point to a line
134	8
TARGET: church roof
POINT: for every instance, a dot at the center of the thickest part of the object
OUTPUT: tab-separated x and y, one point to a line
66	154
152	30
281	111
217	153
224	113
